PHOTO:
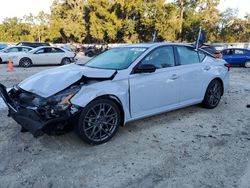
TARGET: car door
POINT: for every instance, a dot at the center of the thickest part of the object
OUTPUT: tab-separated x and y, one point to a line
239	57
227	55
40	56
57	55
194	74
157	91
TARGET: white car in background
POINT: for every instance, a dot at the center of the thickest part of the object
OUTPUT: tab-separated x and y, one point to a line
6	53
44	55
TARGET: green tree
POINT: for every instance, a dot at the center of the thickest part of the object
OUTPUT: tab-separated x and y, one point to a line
14	30
67	18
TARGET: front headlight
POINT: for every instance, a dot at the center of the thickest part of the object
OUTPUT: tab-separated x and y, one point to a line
62	99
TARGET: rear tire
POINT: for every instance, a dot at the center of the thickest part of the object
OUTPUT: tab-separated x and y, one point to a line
99	121
25	62
213	94
247	64
65	61
1	61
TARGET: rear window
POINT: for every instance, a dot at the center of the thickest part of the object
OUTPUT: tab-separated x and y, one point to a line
202	55
209	49
187	55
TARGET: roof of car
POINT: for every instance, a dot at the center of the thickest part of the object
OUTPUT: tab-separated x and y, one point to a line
149	45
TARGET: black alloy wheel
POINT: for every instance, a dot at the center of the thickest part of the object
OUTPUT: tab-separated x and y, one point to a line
65	61
25	62
213	94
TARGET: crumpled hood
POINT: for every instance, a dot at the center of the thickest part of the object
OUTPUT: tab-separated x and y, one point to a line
52	81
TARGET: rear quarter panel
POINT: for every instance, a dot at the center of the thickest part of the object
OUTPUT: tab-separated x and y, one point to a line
220	71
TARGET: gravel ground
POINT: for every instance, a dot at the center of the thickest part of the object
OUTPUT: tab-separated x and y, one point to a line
191	147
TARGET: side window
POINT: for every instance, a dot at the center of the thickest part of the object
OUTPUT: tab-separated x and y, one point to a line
161	57
187	55
12	50
40	51
56	50
202	55
47	50
239	52
228	52
25	49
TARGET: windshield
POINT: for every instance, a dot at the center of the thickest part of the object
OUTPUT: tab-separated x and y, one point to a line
116	58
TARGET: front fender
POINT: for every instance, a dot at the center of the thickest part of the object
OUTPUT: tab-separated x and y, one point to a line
90	92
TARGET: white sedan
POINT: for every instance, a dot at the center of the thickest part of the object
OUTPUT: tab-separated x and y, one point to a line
43	55
121	85
6	53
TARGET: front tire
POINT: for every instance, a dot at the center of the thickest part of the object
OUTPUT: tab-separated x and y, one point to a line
213	94
99	121
247	64
25	62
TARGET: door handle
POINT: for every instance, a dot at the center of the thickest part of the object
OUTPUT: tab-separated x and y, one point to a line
206	68
174	77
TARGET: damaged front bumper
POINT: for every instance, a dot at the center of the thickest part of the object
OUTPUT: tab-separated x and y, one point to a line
31	120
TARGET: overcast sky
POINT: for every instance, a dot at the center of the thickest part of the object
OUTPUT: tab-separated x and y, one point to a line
19	8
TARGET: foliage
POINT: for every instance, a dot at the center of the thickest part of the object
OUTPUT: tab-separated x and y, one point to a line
128	21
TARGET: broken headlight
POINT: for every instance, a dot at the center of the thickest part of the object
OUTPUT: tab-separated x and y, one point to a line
62	99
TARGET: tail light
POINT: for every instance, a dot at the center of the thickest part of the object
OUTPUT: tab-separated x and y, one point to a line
228	66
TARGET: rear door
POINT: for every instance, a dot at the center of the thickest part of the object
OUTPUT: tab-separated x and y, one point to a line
57	55
194	74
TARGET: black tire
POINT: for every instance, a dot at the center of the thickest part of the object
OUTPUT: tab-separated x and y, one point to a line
1	61
99	121
90	54
25	62
247	64
65	61
213	94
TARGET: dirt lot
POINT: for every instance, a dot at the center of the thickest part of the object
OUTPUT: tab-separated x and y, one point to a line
191	147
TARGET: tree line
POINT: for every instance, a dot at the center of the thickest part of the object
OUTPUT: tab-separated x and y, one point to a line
129	21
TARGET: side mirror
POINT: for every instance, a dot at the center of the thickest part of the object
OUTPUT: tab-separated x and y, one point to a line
145	68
